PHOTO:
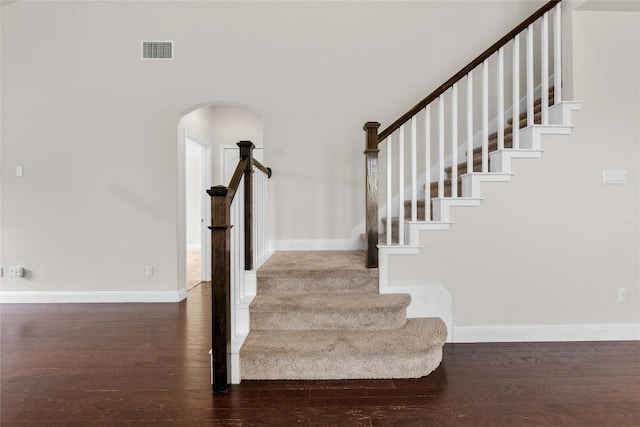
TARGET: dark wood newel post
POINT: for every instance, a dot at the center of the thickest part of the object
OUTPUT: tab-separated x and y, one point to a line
246	151
220	287
371	155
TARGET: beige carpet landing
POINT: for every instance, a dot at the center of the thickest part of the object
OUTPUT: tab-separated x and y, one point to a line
317	315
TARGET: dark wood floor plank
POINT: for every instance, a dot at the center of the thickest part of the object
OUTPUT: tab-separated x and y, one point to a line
148	365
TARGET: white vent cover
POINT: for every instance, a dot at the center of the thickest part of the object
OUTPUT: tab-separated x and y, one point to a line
157	50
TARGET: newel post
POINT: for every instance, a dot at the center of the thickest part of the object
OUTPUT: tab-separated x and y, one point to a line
371	156
246	151
220	287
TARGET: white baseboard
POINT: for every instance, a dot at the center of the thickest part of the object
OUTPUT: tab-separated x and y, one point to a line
91	297
532	333
314	245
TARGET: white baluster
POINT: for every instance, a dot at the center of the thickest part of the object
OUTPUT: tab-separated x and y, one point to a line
240	237
265	216
500	111
485	116
516	93
414	170
255	217
441	146
470	122
257	229
265	225
454	141
530	75
401	186
388	188
427	163
260	208
557	63
235	242
544	68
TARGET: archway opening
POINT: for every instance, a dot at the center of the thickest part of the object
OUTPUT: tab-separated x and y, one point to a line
207	136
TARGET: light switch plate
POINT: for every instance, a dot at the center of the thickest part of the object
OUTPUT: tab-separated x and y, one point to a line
614	176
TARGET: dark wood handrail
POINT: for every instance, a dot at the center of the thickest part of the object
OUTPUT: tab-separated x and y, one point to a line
464	71
263	168
373	137
236	178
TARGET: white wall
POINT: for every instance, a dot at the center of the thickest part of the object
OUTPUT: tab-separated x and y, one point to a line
553	246
95	128
231	124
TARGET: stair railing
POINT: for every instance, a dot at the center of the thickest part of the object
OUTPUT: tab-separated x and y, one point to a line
432	161
233	250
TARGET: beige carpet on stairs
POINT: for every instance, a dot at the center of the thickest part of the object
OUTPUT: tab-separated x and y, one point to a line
317	315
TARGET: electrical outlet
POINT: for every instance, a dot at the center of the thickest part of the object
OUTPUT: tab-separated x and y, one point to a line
15	271
622	295
148	271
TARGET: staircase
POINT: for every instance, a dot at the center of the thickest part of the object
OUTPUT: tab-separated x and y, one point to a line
318	315
462	167
324	315
493	146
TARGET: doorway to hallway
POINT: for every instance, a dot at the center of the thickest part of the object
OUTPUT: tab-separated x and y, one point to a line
203	131
196	202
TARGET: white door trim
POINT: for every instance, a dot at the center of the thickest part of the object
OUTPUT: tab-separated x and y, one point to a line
226	150
205	215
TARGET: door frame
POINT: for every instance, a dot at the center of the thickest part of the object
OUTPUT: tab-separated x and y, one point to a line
226	150
205	214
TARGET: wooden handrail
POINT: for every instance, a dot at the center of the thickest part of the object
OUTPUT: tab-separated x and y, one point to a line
263	168
374	138
235	179
221	199
464	71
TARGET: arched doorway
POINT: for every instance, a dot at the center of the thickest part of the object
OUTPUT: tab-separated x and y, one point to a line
205	133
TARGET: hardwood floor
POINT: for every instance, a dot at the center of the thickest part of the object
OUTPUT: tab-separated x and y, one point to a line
194	268
147	365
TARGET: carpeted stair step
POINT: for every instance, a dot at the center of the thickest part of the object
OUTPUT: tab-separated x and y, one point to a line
395	222
537	117
363	311
304	325
477	163
412	351
395	227
462	167
407	211
382	239
447	188
537	108
302	272
419	210
508	137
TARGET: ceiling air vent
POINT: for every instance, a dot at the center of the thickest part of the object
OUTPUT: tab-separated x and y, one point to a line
157	50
